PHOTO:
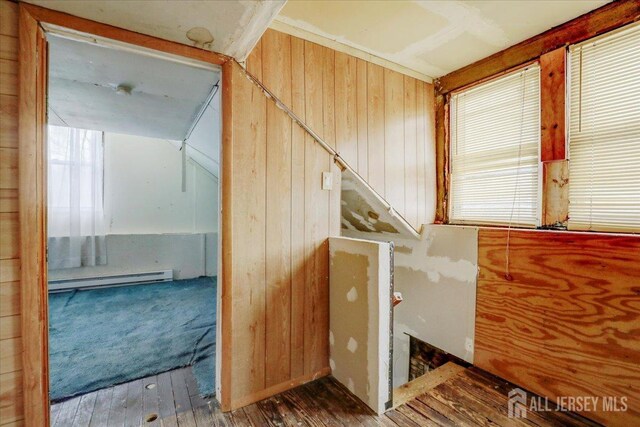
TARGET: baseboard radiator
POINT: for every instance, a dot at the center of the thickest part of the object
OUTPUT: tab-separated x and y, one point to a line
110	281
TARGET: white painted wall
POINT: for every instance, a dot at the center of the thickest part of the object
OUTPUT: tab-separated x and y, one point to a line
151	224
143	189
188	255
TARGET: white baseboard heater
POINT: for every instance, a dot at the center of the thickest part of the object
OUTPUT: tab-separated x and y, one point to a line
110	281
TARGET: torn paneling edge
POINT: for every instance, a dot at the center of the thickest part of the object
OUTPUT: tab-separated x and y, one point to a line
378	205
365	211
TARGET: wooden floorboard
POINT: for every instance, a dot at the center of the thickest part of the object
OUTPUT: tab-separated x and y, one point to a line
470	398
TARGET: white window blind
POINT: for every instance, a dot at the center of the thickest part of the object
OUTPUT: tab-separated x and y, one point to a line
495	139
604	133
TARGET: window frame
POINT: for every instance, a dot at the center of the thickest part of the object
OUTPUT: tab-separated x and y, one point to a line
450	142
568	106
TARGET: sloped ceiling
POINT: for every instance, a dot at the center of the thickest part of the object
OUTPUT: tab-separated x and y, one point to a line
432	37
165	96
236	25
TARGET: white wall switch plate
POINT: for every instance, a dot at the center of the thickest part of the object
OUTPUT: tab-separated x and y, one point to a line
327	180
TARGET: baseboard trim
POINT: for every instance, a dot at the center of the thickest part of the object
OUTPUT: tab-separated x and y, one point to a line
275	389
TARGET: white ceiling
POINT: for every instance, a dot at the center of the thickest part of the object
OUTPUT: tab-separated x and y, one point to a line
165	99
432	37
236	25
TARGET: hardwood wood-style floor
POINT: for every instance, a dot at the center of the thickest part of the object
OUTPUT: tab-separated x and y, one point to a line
470	398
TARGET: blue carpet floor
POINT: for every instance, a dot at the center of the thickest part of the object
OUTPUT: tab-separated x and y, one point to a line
99	338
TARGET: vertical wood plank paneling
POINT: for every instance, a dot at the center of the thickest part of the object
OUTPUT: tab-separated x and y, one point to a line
8	77
298	211
362	114
344	101
277	75
249	236
421	143
11	398
254	61
317	225
410	153
329	132
346	108
394	140
9	122
11	346
376	127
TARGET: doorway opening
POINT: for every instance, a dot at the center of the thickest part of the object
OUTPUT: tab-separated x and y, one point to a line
133	166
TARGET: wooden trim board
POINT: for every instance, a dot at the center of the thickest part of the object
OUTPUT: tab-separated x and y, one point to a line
421	385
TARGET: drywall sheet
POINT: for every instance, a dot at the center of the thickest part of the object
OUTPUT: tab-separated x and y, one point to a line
364	211
437	278
360	324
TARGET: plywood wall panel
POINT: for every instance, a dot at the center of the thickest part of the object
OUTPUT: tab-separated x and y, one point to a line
566	324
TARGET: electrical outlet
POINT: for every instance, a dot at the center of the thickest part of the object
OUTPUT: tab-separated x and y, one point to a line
327	180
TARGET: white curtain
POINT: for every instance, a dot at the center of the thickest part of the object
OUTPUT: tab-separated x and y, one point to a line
75	198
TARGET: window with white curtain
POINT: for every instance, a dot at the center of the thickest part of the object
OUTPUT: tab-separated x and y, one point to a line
604	133
75	197
495	140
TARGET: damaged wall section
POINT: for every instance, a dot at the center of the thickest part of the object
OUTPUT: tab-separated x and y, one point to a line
435	271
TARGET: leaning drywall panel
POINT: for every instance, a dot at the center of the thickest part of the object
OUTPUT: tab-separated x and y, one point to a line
437	278
360	318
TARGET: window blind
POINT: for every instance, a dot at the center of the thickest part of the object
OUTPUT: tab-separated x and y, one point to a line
495	139
604	133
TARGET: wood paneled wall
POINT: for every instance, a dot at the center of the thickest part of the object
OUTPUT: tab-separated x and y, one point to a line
11	404
380	121
568	321
276	217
